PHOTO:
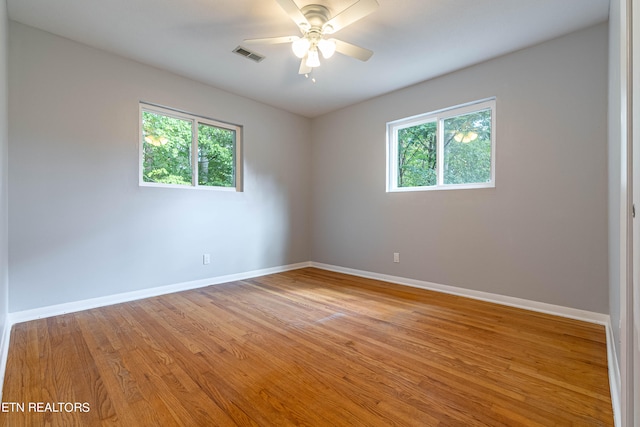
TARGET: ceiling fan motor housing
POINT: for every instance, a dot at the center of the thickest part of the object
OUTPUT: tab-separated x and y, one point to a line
317	16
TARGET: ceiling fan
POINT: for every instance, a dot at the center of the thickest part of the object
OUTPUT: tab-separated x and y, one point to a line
316	24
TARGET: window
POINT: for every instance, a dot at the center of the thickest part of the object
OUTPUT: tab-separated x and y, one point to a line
182	150
446	149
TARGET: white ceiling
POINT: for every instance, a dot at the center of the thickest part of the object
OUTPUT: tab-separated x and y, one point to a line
413	40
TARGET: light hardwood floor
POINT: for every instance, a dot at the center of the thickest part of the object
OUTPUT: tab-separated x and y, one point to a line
308	347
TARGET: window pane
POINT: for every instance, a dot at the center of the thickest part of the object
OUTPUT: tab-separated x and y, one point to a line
467	148
166	149
216	163
417	147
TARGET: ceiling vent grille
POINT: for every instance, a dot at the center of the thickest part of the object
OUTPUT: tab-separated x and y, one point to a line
248	54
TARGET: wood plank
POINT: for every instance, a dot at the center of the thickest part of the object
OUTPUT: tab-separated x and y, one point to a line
310	347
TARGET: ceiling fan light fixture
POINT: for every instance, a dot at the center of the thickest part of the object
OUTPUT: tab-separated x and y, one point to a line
300	47
316	22
327	48
312	58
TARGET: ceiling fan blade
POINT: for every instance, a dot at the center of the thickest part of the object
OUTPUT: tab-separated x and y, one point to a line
294	12
304	69
353	13
352	50
273	40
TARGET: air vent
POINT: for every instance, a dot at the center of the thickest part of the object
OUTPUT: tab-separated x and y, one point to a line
248	54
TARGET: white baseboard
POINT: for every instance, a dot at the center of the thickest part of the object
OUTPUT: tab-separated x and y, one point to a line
71	307
615	383
541	307
4	351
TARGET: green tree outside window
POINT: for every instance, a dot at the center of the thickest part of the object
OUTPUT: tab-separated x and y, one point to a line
168	147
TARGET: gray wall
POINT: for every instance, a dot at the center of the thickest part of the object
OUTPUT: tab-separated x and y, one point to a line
617	193
4	143
541	234
81	227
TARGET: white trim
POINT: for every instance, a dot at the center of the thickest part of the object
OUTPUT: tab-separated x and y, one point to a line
440	152
541	307
4	351
71	307
195	121
195	166
614	376
445	187
438	117
416	118
189	187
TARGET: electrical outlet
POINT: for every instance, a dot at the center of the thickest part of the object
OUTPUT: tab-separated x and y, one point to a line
396	257
206	259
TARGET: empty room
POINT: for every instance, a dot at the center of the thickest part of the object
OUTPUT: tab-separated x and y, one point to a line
319	212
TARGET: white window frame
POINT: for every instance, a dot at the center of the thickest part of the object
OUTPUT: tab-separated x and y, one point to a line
195	120
438	116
